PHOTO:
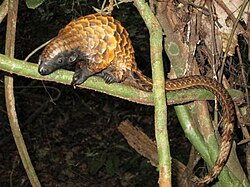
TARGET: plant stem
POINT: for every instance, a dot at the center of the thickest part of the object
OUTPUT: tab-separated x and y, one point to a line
161	132
10	99
29	70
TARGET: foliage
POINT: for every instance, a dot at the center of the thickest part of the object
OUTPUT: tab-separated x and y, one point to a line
34	3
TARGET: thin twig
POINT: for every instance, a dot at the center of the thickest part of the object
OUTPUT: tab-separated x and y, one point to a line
243	7
248	34
37	49
244	84
229	12
3	10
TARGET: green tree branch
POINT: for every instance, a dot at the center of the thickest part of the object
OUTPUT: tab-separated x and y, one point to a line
30	70
160	105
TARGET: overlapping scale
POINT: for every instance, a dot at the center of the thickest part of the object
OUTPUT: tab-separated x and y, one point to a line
103	41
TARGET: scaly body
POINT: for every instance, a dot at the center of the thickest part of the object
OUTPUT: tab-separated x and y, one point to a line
100	45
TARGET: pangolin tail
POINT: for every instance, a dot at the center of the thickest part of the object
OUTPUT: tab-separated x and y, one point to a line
196	81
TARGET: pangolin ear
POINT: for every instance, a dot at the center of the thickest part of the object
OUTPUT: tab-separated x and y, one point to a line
72	58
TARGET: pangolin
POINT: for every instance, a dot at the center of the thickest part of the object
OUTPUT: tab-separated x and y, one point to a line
99	45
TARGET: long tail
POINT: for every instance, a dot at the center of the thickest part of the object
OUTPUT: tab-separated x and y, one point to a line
226	103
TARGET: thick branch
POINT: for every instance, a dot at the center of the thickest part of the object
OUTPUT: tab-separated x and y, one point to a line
29	70
160	111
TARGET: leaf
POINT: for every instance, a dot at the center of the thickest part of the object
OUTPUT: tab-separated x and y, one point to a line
110	167
95	166
34	3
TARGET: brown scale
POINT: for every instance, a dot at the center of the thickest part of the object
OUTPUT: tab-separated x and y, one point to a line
106	50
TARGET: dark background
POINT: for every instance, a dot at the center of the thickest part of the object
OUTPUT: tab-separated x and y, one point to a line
73	141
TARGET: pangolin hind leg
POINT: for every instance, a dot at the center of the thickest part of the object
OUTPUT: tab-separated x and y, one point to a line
82	73
109	76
